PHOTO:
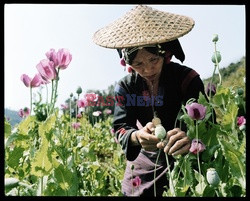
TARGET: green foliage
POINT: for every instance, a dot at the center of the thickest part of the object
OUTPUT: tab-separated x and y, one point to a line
57	160
225	149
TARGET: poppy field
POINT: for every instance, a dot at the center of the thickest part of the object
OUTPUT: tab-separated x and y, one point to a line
72	151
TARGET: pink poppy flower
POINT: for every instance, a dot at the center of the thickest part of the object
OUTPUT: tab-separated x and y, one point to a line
76	125
91	97
197	146
64	58
52	56
241	121
24	112
43	80
46	69
82	103
28	82
136	181
196	111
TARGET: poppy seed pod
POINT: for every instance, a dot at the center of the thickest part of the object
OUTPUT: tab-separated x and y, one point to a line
213	177
79	90
217	54
160	132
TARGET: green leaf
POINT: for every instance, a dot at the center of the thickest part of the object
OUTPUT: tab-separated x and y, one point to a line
222	96
63	177
229	118
14	157
208	191
234	158
7	129
26	125
187	171
202	100
199	188
42	163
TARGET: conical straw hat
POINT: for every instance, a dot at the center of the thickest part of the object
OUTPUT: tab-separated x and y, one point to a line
143	25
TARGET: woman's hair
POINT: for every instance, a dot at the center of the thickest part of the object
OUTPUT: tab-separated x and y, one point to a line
153	50
159	49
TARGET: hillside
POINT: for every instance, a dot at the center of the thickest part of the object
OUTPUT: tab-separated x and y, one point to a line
233	75
13	116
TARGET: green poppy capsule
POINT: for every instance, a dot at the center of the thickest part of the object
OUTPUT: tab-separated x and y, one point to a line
160	132
218	57
79	90
213	177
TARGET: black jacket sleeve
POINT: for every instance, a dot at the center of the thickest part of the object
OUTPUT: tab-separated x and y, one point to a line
125	123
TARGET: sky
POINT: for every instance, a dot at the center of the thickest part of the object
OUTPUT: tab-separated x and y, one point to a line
30	30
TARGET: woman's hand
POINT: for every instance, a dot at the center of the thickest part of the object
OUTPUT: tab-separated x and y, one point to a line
175	143
146	138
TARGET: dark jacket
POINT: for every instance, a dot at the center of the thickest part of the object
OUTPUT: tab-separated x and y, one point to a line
177	84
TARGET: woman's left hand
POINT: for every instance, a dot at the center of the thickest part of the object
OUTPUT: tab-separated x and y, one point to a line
175	143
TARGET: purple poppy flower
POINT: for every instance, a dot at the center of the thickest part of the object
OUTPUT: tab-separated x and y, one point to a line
196	111
197	146
212	88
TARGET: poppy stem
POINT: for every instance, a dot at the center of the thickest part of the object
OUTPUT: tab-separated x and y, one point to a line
198	160
155	171
30	100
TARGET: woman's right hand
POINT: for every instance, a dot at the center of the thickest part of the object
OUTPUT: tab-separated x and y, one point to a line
146	138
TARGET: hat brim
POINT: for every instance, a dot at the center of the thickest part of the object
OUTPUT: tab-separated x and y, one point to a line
143	25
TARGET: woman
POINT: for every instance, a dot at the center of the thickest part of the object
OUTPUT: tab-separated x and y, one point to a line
146	40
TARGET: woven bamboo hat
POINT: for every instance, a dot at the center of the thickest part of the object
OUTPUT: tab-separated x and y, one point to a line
143	25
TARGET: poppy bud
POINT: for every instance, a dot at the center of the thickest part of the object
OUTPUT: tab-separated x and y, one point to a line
215	38
212	177
79	90
217	54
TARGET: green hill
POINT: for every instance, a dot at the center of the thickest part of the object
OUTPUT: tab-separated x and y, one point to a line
233	75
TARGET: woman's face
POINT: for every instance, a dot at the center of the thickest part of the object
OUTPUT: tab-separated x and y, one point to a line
148	65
